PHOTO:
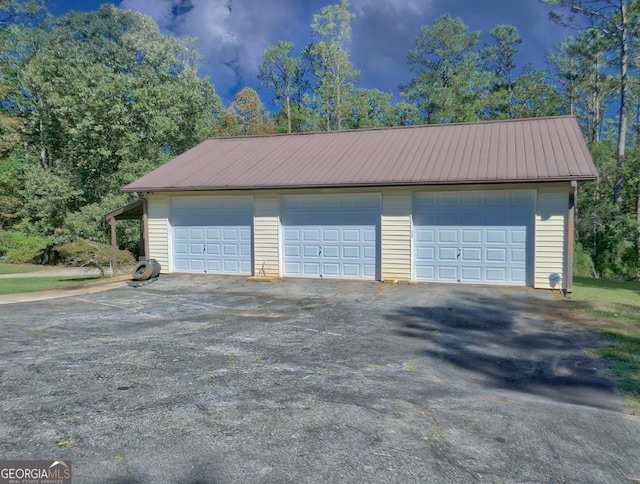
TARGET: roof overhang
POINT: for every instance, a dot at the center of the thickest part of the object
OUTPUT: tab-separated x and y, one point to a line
170	189
130	211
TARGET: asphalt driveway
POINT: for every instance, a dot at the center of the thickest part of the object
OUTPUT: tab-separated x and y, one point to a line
217	380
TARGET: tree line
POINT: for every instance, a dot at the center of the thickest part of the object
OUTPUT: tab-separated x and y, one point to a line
93	100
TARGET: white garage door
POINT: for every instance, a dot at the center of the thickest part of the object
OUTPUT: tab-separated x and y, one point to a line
334	236
212	234
478	237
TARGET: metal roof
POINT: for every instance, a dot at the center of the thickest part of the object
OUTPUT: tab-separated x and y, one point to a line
525	150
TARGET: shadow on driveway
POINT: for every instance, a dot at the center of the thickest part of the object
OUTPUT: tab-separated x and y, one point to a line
521	345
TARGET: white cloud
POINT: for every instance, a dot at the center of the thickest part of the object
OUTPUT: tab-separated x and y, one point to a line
234	33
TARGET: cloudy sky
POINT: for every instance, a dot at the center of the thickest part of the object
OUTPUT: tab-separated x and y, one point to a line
233	33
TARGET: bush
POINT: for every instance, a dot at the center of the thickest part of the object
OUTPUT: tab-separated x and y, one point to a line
582	263
86	253
19	248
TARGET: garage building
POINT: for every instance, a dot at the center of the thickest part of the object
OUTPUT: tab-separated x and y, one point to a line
475	203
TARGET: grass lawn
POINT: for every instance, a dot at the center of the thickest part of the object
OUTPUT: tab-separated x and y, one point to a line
19	268
35	284
616	308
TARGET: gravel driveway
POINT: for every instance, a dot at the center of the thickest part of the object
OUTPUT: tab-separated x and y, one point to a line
217	380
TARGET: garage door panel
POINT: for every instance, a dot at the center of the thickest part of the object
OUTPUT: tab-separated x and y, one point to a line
497	275
518	255
426	273
230	250
494	255
496	236
196	234
292	250
471	236
425	253
214	249
350	252
311	235
180	233
517	274
352	271
331	235
331	251
213	234
351	235
447	236
472	274
369	236
369	253
181	249
518	236
216	233
196	264
330	270
338	235
447	273
447	254
181	264
293	268
477	237
214	265
310	268
196	249
292	235
311	251
425	236
471	254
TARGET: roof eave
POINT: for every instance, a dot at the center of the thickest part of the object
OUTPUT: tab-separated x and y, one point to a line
143	189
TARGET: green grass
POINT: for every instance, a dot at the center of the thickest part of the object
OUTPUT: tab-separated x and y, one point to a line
34	284
615	306
19	268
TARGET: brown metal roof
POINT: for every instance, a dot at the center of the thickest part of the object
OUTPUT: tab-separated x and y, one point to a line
541	149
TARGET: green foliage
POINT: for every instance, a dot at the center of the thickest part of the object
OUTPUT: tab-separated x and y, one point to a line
448	85
330	63
94	101
247	115
19	268
87	253
608	232
285	76
35	284
19	248
533	96
615	308
582	263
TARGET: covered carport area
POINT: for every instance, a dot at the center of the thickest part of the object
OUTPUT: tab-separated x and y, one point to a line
136	210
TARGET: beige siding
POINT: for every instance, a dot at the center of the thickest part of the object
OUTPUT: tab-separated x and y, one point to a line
158	208
396	235
551	233
266	235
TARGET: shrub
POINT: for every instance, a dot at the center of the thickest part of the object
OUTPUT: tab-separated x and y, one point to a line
582	263
86	253
19	248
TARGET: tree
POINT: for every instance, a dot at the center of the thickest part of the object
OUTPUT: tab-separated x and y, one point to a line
616	19
534	96
247	115
102	99
500	57
370	108
447	86
580	67
284	75
330	63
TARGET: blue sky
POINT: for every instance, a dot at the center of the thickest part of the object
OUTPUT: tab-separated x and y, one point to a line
234	33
